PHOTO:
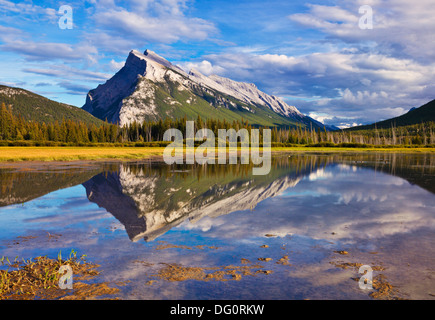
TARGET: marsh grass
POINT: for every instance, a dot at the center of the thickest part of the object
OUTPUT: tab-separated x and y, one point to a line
377	149
38	278
17	154
76	153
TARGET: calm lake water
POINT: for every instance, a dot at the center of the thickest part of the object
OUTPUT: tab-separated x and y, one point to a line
217	232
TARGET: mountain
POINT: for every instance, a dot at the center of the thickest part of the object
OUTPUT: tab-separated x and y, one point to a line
150	87
38	108
424	113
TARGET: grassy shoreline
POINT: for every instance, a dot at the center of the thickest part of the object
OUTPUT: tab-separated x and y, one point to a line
16	154
20	154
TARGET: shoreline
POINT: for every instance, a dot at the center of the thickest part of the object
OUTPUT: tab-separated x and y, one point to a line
70	154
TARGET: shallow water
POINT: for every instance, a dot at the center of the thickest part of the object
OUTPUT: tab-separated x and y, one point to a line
198	232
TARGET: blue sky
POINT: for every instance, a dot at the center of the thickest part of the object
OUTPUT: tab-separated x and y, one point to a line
313	54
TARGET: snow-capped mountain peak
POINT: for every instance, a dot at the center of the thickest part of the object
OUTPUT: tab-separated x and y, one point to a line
152	57
149	87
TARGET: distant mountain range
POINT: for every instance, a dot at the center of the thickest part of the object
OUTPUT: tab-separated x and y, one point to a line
38	108
150	87
422	114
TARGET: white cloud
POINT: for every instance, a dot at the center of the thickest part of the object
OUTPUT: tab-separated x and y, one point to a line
67	72
348	125
205	67
399	27
8	33
115	66
51	50
152	21
28	11
362	75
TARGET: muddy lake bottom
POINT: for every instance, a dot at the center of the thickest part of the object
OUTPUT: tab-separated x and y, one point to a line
191	232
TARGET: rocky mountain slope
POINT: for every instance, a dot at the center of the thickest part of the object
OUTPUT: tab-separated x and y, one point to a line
150	87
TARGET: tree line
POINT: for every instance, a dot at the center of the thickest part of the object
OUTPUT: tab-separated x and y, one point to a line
417	134
16	128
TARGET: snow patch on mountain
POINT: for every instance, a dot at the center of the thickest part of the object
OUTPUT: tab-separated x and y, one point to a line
247	92
158	67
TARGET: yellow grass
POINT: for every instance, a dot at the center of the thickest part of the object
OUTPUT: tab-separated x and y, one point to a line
107	153
76	153
352	150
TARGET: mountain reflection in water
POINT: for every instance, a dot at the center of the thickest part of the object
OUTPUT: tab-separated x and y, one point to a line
379	208
150	198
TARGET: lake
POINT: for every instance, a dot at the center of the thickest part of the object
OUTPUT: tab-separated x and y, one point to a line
218	232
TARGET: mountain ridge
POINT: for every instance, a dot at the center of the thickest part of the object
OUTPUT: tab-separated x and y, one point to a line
418	115
34	107
149	87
